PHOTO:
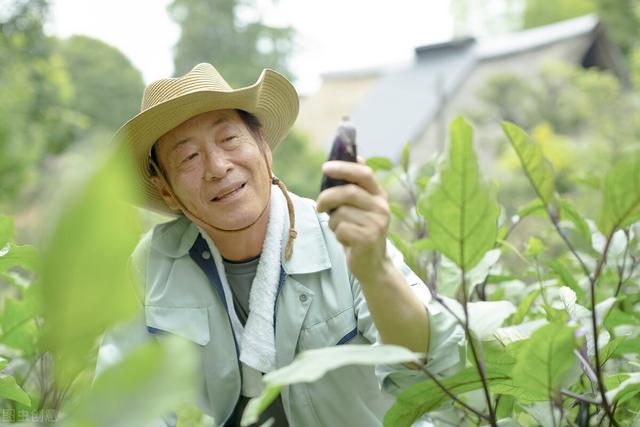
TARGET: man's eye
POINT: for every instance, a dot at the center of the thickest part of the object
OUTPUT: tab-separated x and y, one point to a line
190	157
229	138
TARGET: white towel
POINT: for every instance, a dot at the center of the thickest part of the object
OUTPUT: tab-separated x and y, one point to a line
257	338
258	348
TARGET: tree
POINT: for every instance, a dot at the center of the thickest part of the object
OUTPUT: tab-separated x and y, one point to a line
540	12
107	94
212	31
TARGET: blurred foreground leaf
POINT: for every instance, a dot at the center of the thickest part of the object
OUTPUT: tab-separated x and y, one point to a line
150	382
85	282
311	365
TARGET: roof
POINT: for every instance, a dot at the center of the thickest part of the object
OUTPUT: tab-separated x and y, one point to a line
405	100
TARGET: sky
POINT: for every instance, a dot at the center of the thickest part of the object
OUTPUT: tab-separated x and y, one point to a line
333	35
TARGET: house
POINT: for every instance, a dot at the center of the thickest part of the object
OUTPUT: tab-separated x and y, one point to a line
391	106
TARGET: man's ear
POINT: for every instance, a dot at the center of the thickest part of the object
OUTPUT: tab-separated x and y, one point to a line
166	193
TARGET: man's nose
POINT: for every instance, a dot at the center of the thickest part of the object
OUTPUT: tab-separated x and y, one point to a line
217	166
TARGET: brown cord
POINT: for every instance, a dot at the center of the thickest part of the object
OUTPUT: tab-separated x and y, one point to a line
288	251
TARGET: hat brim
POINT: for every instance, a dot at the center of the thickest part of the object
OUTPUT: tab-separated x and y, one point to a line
272	99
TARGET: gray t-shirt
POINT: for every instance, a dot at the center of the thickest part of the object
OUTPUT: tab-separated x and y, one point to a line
240	275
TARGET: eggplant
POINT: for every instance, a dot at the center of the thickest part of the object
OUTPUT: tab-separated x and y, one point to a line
344	148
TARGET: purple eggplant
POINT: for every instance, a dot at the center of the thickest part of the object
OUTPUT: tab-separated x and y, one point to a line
343	148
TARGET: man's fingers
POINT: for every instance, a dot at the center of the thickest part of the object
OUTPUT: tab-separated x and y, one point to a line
348	194
356	173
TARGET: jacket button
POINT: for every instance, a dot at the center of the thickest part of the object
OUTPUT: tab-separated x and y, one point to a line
303	297
206	254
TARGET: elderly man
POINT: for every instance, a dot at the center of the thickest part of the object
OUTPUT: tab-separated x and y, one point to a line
254	274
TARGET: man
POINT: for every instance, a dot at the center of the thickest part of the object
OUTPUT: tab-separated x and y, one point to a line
254	274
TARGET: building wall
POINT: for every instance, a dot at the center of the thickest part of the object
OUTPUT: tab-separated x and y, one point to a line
528	63
321	112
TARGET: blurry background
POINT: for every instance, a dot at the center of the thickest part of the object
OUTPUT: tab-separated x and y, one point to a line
73	71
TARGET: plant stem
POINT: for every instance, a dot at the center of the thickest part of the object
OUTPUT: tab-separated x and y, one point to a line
478	360
556	224
579	397
453	396
594	324
621	269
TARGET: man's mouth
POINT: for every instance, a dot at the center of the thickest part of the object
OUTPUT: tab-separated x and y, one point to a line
225	194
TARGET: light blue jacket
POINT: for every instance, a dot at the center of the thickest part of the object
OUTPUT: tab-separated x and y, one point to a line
319	304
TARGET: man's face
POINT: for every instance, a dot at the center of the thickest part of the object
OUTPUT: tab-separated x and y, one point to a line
216	169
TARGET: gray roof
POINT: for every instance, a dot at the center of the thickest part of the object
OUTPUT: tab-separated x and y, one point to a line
405	101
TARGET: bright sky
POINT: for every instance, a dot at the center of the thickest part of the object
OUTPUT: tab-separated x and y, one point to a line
333	35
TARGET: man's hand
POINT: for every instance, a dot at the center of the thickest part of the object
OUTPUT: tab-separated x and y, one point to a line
359	217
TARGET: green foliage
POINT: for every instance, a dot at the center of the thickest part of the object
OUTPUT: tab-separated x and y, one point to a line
621	195
540	12
461	212
109	94
220	32
298	163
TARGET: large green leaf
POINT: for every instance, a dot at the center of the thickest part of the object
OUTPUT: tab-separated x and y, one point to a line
9	389
85	280
538	169
461	212
311	365
544	360
150	382
621	195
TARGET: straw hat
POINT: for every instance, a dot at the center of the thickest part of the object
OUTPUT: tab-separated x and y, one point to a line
167	103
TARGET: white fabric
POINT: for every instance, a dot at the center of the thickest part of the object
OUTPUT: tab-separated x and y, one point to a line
257	338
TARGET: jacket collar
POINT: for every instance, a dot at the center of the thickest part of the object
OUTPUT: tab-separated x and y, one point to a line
310	255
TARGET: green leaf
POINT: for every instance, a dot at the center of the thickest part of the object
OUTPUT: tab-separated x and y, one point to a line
406	152
534	207
544	360
257	406
485	317
566	277
426	396
12	255
19	330
461	211
311	365
538	169
628	346
534	247
524	306
85	266
621	195
9	389
629	388
379	164
569	212
398	210
422	182
6	230
151	381
423	245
